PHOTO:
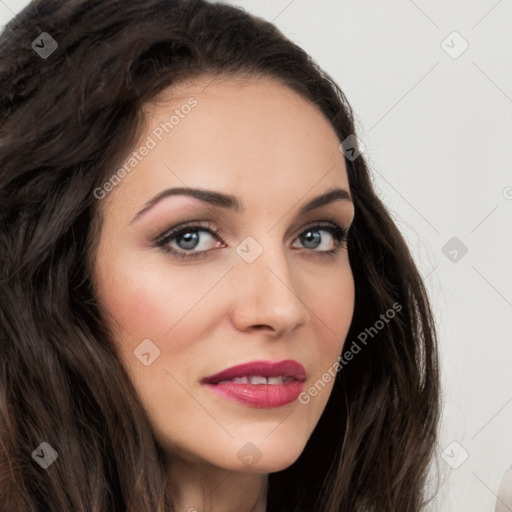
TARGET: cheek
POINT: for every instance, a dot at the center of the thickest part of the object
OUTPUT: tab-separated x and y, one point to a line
333	309
135	304
334	305
153	301
332	312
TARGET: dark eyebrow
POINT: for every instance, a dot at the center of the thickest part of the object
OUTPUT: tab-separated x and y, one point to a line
334	194
230	202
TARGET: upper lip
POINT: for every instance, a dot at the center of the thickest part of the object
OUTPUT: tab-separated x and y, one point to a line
286	368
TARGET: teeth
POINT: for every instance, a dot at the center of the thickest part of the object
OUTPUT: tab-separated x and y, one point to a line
258	379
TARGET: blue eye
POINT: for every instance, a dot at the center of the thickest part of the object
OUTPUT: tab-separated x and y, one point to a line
312	239
187	239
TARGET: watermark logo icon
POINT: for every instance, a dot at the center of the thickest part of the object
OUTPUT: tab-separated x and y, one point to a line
249	250
454	455
44	455
351	148
454	45
454	249
146	352
44	45
249	454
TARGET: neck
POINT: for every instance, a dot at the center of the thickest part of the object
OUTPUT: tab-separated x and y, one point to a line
206	488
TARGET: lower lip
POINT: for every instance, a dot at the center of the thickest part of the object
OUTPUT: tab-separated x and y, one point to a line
259	395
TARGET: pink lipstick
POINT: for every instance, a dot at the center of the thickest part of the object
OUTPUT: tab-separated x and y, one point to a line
261	384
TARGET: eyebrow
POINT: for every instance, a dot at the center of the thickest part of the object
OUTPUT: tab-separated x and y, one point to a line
230	202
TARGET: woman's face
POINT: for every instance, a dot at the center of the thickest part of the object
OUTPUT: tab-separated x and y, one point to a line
265	288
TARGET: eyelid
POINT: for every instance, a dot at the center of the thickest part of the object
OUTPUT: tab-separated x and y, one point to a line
174	230
335	229
185	225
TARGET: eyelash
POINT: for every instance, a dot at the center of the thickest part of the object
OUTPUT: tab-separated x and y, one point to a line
339	234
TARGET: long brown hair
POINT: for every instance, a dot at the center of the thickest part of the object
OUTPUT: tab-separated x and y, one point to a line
68	120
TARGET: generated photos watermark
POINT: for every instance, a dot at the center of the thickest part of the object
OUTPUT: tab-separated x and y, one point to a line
151	142
355	348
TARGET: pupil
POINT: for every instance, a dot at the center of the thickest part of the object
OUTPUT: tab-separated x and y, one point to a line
190	238
312	235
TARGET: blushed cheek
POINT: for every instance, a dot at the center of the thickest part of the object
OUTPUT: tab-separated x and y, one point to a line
145	306
141	309
337	302
129	300
338	305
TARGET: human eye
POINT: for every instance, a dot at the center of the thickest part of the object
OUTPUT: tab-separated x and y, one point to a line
312	239
185	242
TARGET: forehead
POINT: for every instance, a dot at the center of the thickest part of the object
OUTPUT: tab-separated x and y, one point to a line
248	136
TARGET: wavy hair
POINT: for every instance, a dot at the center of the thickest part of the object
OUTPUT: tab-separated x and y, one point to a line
68	120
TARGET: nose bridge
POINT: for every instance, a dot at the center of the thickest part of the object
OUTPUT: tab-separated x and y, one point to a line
266	287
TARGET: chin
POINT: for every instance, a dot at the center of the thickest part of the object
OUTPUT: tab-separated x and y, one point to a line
267	456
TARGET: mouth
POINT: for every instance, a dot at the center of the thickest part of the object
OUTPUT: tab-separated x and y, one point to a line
260	384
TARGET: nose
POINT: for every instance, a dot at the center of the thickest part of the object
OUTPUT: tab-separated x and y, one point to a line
265	295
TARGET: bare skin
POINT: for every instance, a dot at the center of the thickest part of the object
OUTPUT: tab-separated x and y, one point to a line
261	142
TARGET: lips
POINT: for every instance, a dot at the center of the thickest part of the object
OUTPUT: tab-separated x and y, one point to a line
288	369
259	384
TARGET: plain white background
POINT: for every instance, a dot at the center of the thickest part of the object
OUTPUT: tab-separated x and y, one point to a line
437	125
